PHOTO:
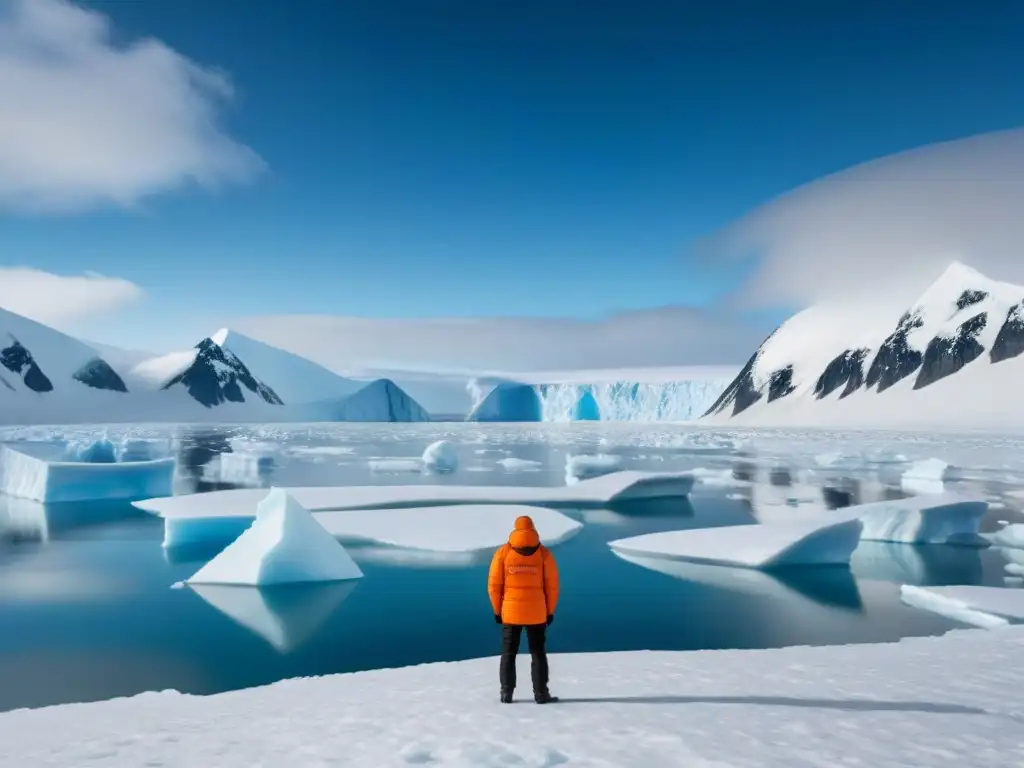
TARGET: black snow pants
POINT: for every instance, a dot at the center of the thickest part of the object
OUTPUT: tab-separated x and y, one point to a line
536	635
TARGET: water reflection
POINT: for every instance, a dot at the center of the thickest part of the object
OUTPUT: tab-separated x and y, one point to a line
23	521
917	564
830	586
202	468
285	616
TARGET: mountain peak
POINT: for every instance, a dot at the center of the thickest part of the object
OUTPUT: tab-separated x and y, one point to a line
220	337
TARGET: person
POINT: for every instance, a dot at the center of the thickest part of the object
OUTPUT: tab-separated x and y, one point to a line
523	586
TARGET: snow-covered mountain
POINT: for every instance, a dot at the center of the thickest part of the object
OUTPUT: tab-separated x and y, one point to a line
953	358
380	400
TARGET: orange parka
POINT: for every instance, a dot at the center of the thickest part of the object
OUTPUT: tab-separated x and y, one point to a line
523	579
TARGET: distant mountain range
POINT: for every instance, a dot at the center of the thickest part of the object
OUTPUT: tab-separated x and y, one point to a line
952	358
50	377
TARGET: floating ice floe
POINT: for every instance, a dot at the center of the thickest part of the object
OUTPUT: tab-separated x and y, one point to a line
407	466
718	478
751	546
42	474
284	545
946	518
284	616
223	515
512	464
1010	535
441	457
985	607
460	528
928	476
586	467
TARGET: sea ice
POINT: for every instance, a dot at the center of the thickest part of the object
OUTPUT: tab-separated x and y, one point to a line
512	464
985	607
223	515
410	466
35	476
441	457
284	616
461	528
937	519
242	468
752	546
586	467
284	545
940	702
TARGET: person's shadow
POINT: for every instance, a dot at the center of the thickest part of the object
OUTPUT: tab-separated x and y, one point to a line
847	705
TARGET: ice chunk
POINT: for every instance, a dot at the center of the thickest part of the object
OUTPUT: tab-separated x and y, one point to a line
285	616
986	607
715	477
585	467
508	402
1010	535
100	451
240	468
441	457
512	464
36	477
928	476
284	545
752	546
138	449
222	515
938	519
457	528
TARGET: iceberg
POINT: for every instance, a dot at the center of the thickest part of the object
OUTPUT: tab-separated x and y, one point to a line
586	467
509	402
751	546
285	616
100	451
284	545
441	457
223	515
946	518
139	449
32	472
460	528
380	400
928	476
985	607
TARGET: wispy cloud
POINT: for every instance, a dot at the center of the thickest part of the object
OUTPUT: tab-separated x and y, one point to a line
883	230
670	336
87	121
63	300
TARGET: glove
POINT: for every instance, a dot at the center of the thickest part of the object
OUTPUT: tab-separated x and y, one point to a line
497	618
551	619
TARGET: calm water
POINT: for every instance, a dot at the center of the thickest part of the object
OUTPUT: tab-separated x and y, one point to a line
87	612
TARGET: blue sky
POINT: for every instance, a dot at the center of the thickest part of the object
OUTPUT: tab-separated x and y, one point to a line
527	159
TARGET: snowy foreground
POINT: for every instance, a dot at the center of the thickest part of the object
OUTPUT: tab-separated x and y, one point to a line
870	705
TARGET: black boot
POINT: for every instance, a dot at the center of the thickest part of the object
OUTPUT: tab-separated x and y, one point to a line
544	697
506	696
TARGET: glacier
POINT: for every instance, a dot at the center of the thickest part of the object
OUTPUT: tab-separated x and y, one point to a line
684	399
42	473
284	545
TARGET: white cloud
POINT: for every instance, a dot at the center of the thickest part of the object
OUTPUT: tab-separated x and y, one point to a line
885	229
85	121
670	336
61	300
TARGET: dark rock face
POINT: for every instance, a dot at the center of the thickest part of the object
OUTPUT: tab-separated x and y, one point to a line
969	298
98	374
1009	341
781	383
217	376
847	368
17	359
945	355
896	359
741	393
